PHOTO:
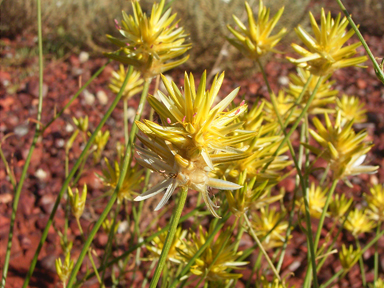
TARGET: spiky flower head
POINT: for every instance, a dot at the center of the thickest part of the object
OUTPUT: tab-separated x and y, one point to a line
64	269
343	149
358	222
250	195
275	283
100	142
81	123
379	283
134	85
151	43
339	206
76	202
376	202
325	53
192	138
131	181
323	97
351	108
255	41
217	258
268	224
157	245
348	257
284	104
107	226
316	200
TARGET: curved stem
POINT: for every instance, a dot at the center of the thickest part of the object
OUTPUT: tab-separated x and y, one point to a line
125	116
378	70
322	217
126	164
253	234
31	149
69	178
170	236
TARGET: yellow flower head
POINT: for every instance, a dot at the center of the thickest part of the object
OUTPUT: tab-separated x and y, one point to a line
250	195
217	258
325	52
376	202
107	226
257	40
324	96
379	283
134	85
317	197
351	108
343	149
348	257
64	269
275	283
358	222
100	142
131	182
159	241
285	103
192	138
150	42
339	206
81	123
76	202
267	220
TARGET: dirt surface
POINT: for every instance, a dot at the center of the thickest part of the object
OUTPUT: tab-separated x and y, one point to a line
18	108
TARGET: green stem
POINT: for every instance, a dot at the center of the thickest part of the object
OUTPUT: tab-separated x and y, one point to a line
138	245
361	263
322	217
335	276
75	96
126	164
378	71
254	268
89	251
31	149
7	169
125	116
170	236
200	251
69	178
376	259
302	180
253	234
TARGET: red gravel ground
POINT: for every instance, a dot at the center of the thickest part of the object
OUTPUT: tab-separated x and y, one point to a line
18	108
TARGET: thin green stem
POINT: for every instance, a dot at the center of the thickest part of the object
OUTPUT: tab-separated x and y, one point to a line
69	178
253	234
302	180
324	212
376	259
361	263
89	251
31	149
125	117
75	96
7	169
254	268
138	245
335	276
200	251
126	164
170	236
378	69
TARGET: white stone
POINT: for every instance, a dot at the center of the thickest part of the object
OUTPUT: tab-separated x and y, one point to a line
283	80
89	97
69	128
102	97
83	56
123	227
21	130
131	113
41	174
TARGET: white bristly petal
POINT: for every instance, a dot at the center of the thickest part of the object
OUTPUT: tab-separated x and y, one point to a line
207	159
222	184
359	160
171	188
154	190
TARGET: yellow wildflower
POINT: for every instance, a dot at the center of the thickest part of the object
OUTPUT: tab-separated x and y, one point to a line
150	42
217	258
339	206
351	108
348	257
358	222
317	197
325	52
255	41
376	202
76	202
133	86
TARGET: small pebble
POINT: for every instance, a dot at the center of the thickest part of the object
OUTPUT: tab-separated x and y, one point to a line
40	174
102	97
89	97
83	56
21	130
